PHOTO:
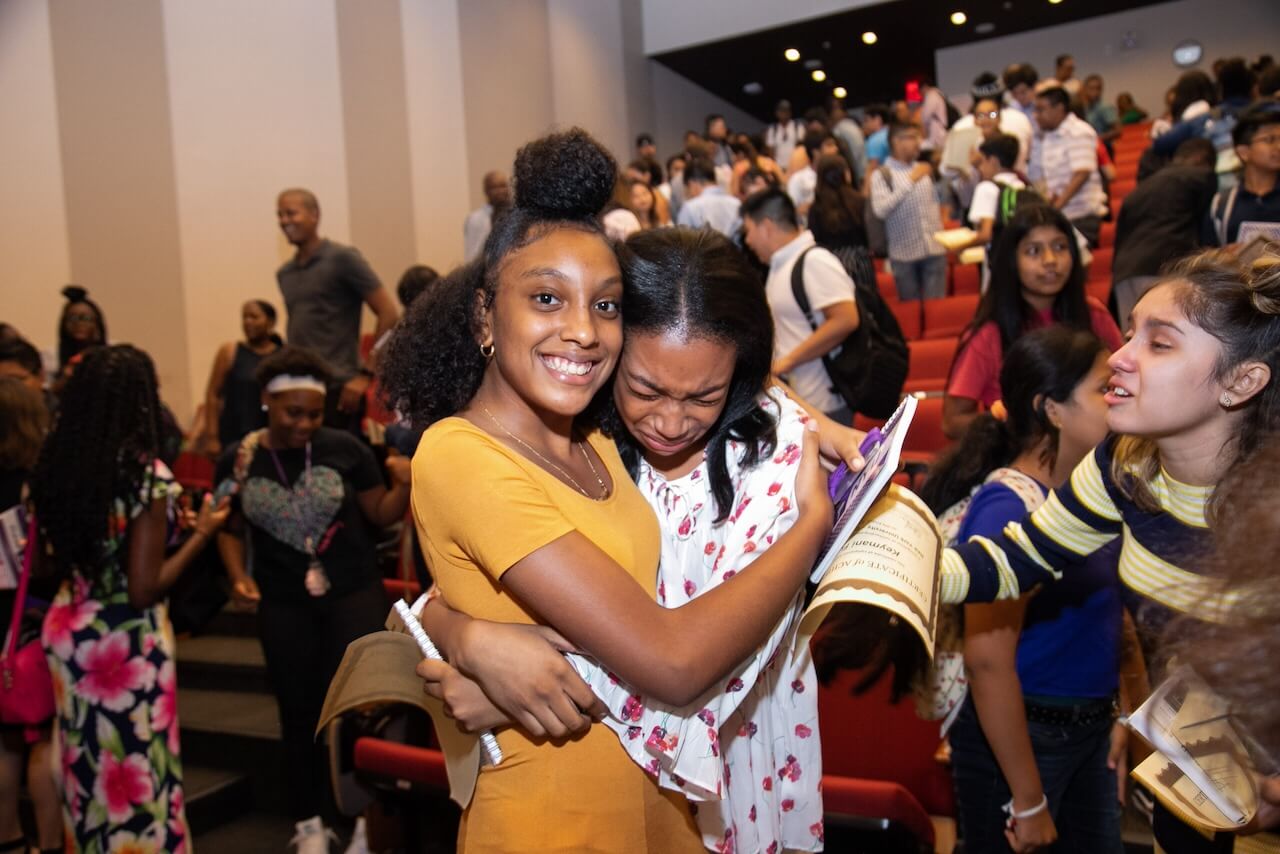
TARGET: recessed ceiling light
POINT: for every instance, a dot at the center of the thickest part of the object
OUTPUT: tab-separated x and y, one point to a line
819	75
791	54
752	88
984	28
869	38
1054	2
958	18
840	92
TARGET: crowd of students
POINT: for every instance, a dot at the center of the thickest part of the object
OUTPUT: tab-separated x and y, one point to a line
616	413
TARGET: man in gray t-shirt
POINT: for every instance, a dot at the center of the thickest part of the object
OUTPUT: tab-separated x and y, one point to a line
324	286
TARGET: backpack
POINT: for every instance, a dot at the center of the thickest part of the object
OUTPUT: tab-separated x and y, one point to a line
877	237
869	368
1012	200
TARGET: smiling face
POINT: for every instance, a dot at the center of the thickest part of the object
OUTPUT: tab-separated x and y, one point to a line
297	218
670	391
293	417
555	322
81	323
1164	380
986	115
1044	265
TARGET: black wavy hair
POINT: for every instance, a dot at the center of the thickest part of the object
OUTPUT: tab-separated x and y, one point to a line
431	367
1043	365
837	206
106	438
1003	302
697	283
68	346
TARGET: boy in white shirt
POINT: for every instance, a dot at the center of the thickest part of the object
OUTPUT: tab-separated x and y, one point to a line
996	159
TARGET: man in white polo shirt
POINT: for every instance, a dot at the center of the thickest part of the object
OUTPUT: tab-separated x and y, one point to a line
774	235
1064	163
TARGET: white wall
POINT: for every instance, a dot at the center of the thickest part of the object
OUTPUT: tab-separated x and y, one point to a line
681	105
673	24
588	70
256	108
1225	28
33	217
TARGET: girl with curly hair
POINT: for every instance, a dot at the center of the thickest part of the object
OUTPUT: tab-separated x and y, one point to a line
104	502
528	514
1193	396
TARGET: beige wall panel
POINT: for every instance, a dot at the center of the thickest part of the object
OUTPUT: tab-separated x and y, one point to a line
33	220
506	82
257	107
371	61
588	73
437	133
117	160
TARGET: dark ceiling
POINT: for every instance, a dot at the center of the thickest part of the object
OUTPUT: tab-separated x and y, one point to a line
909	31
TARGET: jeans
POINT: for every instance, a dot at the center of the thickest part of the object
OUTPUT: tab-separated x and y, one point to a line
1090	226
926	277
303	642
1072	761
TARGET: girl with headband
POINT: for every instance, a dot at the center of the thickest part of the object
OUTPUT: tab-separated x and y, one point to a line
311	499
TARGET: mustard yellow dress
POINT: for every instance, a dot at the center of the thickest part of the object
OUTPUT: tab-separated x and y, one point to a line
480	507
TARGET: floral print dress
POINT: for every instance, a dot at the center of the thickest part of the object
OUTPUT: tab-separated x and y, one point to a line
749	759
117	704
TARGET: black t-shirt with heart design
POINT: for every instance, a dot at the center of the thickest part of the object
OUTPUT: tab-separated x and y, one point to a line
282	515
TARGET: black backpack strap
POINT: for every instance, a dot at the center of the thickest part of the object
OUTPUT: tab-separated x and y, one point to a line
797	287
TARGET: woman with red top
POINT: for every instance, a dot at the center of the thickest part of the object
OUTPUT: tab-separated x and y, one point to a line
1036	280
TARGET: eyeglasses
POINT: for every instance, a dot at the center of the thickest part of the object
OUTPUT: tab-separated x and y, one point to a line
993	115
82	317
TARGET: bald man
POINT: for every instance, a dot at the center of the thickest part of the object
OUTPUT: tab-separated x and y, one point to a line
497	193
324	286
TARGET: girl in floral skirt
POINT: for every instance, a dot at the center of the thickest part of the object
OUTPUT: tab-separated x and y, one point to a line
104	500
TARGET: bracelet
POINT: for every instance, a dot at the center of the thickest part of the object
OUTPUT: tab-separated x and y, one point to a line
1014	815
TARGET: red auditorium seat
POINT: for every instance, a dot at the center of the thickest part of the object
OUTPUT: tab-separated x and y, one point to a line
1100	266
1127	170
929	363
855	731
947	317
193	471
966	279
1107	235
421	765
1099	289
884	283
925	438
396	588
908	314
858	799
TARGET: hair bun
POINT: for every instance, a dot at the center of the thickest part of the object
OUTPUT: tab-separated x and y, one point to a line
75	293
566	175
1263	276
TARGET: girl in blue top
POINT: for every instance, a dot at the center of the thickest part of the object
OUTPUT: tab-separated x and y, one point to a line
1035	728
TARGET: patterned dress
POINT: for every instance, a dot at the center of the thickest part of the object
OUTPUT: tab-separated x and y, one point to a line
748	756
117	704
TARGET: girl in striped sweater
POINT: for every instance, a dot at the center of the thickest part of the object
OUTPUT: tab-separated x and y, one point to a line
1192	397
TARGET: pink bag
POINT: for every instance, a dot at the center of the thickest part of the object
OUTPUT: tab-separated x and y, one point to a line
26	688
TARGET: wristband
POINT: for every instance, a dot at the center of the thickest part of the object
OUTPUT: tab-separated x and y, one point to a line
1013	815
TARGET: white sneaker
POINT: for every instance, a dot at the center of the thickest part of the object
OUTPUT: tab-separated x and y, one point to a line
359	839
312	837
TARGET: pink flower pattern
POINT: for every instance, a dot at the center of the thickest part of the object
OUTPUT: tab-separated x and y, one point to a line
117	705
747	753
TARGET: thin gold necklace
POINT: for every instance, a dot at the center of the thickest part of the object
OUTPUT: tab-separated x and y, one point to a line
604	490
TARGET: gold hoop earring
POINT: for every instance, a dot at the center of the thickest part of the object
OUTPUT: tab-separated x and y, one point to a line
486	350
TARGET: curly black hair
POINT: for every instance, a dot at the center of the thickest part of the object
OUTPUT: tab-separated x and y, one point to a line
105	439
431	367
296	361
68	346
700	284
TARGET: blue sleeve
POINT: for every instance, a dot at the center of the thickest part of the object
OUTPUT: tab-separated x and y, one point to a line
1166	143
993	506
